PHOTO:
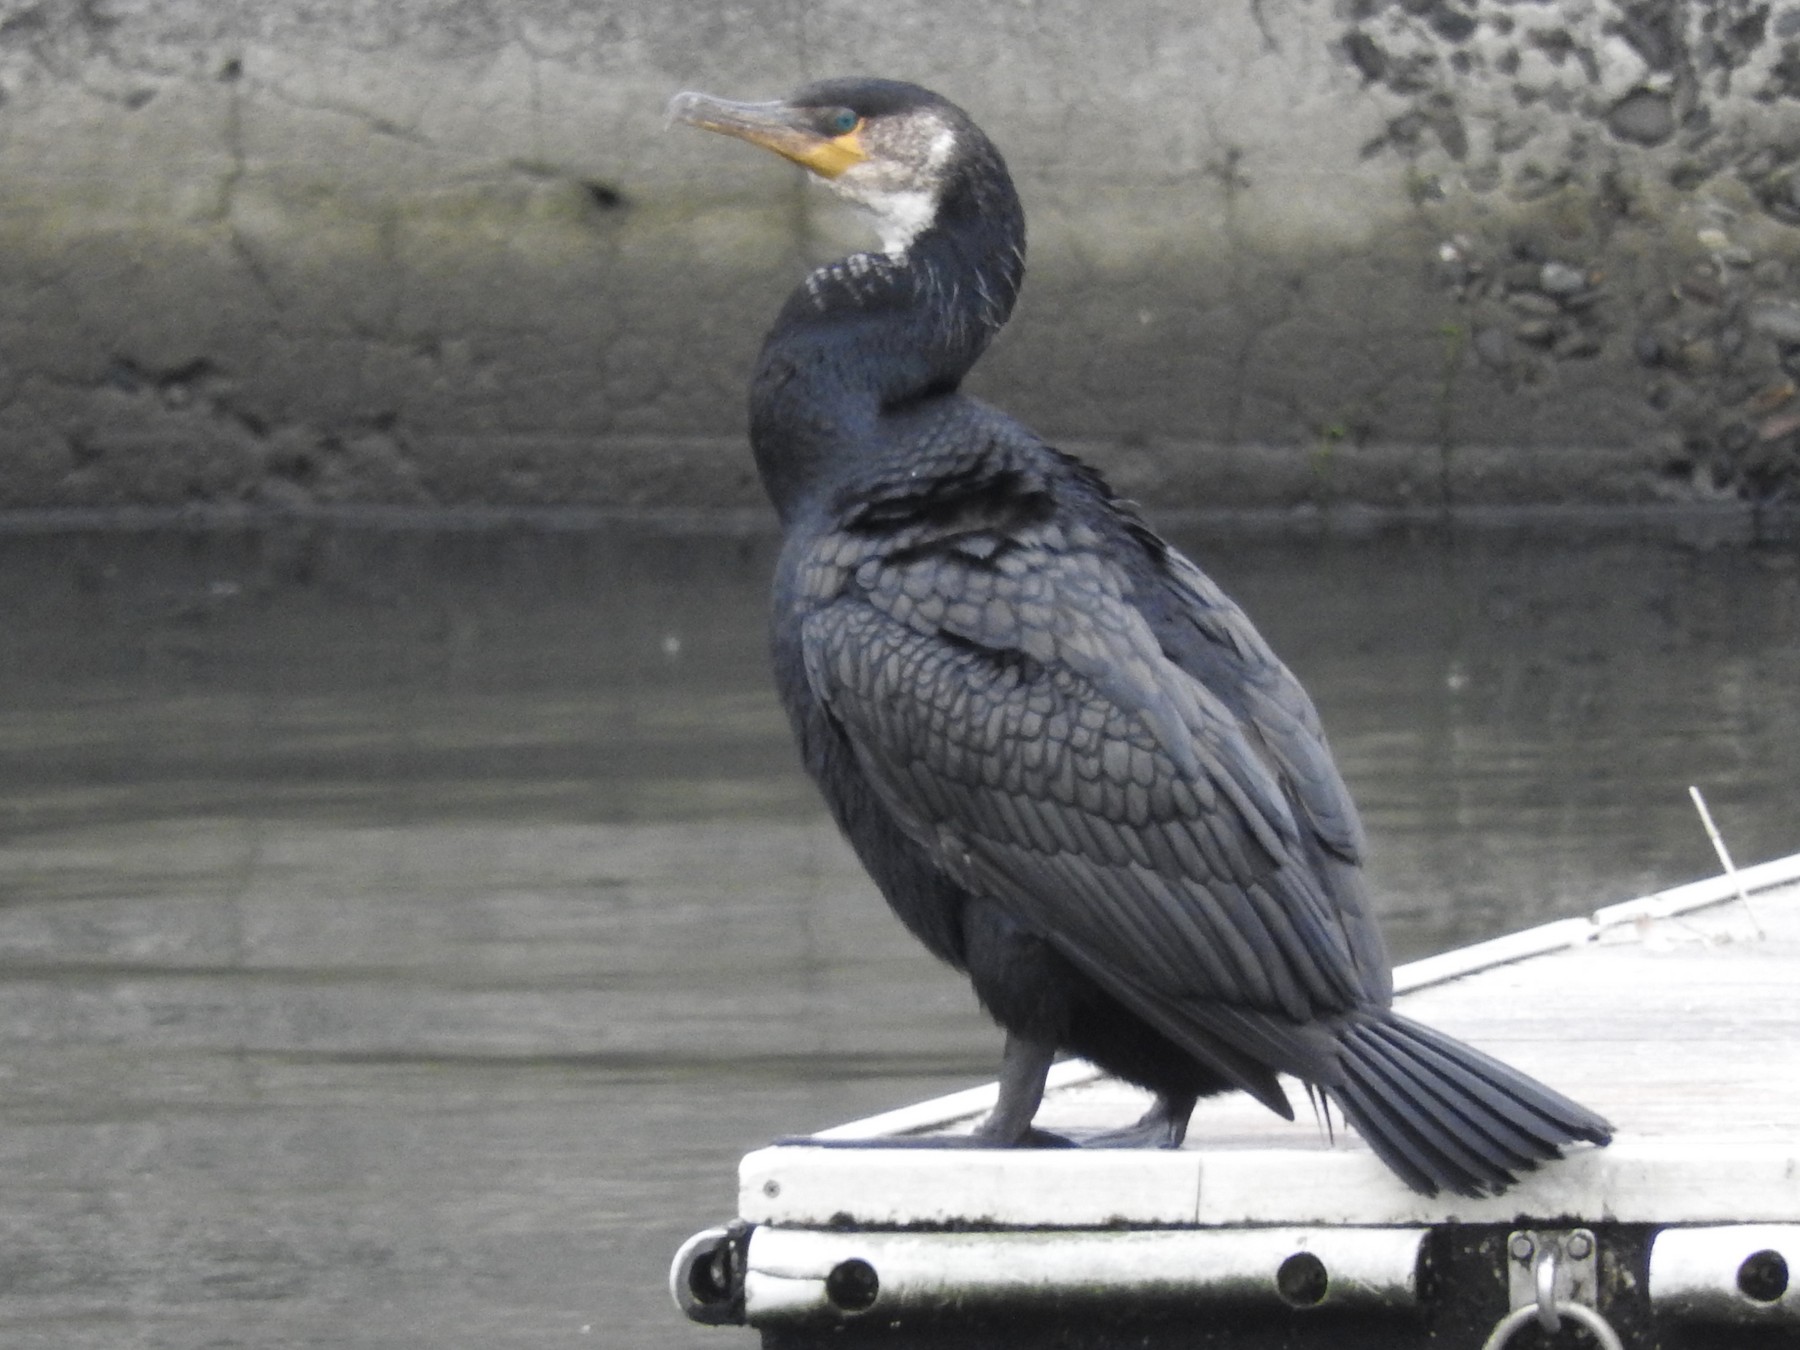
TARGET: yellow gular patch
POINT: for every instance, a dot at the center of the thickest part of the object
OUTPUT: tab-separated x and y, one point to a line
829	158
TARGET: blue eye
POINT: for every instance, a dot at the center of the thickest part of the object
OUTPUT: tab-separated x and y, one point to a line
842	121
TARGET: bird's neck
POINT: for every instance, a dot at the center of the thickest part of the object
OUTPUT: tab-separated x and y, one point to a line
866	337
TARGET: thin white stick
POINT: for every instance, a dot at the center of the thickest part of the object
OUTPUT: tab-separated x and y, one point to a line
1718	843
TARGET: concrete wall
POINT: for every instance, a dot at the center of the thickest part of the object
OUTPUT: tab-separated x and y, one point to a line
443	251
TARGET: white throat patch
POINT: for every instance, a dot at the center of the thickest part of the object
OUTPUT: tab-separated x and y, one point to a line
899	216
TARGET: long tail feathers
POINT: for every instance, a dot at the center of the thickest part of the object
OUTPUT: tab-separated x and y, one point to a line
1445	1116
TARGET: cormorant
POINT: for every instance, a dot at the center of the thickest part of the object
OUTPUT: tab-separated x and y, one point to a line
1067	759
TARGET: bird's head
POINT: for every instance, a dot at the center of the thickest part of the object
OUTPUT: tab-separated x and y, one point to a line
894	148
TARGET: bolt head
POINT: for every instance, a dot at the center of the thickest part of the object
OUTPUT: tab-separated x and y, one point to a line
1522	1247
1580	1246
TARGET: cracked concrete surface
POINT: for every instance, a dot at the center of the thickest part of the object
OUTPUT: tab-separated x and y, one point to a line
439	252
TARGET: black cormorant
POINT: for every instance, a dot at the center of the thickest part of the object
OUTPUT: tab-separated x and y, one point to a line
1067	759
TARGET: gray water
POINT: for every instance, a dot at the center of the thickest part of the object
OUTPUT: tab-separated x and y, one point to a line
403	933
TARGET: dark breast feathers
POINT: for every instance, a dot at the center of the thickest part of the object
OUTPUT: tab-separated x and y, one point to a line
1069	718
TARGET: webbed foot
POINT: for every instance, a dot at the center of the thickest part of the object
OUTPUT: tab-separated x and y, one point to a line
1164	1125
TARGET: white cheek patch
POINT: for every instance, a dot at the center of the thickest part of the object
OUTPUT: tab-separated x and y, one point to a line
938	154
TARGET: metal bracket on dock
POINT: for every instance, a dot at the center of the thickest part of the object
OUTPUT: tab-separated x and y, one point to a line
1552	1274
1550	1267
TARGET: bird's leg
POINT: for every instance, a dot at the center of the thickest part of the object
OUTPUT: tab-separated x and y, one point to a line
1024	1065
1023	1068
1164	1125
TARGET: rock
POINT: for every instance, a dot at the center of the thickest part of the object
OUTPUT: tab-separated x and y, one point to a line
1642	117
1779	319
1780	196
1521	276
1701	286
1776	427
1576	346
1621	69
1530	302
1773	396
1770	273
1699	357
1654	33
1760	163
1366	55
1556	278
1689	174
1452	24
1493	347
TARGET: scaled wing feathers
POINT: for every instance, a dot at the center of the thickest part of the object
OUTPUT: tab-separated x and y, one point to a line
1020	718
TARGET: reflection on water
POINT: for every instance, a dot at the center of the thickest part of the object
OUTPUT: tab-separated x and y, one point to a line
403	933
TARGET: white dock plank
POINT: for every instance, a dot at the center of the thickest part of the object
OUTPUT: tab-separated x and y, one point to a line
1025	1188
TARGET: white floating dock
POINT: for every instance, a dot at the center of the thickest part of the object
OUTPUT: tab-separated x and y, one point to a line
1676	1016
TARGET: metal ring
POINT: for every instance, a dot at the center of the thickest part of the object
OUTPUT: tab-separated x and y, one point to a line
1575	1312
691	1282
1544	1277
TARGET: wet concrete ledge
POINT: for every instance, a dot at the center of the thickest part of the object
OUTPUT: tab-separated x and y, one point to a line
1290	254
